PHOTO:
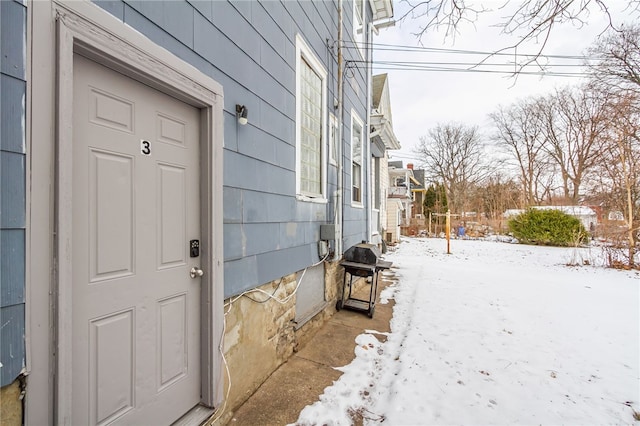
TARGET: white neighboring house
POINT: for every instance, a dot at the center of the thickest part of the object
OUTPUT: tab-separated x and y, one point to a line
615	215
395	210
401	180
586	215
382	139
509	213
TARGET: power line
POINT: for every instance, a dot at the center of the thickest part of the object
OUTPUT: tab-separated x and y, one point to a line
530	69
487	63
468	64
421	49
403	156
467	70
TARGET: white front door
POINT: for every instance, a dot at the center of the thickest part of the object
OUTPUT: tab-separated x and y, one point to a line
136	207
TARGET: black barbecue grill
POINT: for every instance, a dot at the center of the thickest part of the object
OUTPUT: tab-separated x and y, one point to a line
361	260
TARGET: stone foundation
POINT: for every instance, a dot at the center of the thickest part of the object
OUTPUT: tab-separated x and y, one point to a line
11	404
261	333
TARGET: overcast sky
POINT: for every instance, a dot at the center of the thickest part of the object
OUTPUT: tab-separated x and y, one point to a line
422	99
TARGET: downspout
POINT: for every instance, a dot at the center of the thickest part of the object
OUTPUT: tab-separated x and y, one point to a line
339	192
367	154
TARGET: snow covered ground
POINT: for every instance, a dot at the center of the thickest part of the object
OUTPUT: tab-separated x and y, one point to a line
495	333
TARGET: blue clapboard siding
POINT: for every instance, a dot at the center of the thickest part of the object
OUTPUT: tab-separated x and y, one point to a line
354	221
12	188
249	48
12	348
12	267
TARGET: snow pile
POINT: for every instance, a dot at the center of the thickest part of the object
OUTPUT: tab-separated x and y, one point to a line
495	334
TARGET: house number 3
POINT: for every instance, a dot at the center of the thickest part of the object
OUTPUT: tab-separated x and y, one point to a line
145	147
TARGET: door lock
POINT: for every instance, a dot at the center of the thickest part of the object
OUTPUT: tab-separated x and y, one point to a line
196	272
194	248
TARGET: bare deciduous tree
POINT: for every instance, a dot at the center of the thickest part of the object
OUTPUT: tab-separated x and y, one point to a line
620	162
529	20
573	122
497	194
615	66
454	155
617	76
520	131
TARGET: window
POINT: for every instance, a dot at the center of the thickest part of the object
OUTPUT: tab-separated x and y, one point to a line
311	115
333	139
377	201
310	130
356	159
358	24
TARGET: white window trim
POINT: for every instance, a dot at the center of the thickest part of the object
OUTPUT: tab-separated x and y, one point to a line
357	119
304	51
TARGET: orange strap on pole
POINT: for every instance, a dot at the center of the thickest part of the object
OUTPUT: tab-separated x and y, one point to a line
448	231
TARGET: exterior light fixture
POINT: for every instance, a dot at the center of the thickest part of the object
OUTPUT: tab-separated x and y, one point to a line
241	113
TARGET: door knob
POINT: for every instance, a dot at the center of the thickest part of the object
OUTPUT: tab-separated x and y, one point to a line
196	272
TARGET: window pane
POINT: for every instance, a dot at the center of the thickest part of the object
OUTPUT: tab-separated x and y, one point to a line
358	19
356	159
311	130
358	24
356	140
356	177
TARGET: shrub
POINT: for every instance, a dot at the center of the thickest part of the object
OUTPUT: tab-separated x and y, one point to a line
548	227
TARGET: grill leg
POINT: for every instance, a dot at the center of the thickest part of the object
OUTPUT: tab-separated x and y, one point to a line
373	295
340	301
350	285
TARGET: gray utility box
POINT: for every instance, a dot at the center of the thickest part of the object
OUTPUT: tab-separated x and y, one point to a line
327	232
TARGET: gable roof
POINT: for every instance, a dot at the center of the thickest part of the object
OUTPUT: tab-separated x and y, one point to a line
419	175
379	81
380	118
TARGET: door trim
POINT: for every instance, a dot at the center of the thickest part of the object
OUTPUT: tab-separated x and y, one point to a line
84	28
